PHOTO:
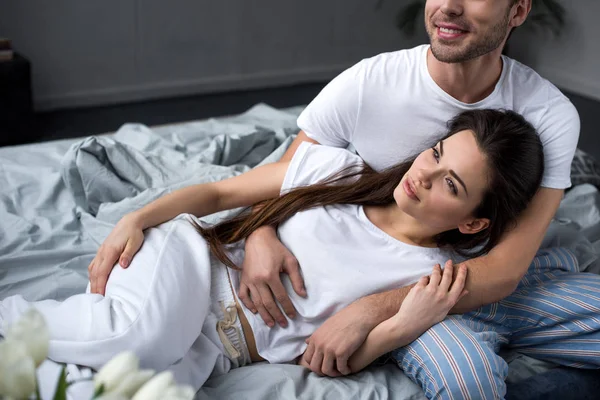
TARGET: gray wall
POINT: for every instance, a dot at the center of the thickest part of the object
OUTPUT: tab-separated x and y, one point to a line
571	61
101	52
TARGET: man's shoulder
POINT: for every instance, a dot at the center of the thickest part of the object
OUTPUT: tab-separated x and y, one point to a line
394	60
535	97
527	84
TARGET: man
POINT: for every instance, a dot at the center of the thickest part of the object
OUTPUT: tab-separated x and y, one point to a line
389	106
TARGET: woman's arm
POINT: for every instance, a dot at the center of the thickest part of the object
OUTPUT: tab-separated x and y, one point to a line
427	303
126	238
491	278
254	186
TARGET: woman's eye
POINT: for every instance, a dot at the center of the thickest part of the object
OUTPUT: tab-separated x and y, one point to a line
436	154
451	186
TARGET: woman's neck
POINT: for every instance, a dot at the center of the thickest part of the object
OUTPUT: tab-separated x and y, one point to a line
400	225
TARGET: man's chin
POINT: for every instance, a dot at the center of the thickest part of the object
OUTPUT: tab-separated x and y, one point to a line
449	53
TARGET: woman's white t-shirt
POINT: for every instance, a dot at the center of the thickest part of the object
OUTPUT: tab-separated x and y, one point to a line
343	256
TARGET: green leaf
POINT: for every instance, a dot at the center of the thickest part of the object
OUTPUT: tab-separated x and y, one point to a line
98	391
61	386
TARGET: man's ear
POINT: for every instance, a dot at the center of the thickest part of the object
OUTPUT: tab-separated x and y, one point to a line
519	12
474	225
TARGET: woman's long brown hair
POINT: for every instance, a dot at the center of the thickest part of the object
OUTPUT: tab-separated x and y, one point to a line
515	161
358	184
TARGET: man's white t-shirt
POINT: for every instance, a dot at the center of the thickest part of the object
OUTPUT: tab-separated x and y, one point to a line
390	109
343	255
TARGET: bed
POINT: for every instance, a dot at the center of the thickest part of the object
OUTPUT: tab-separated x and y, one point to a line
60	199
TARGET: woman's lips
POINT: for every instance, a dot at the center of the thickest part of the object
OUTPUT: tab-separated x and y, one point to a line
408	189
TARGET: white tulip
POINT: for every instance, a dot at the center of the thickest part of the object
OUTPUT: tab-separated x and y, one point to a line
181	392
155	387
114	371
112	396
31	329
17	370
132	382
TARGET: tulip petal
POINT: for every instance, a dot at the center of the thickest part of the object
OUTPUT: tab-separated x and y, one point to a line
31	329
113	372
133	382
154	388
17	370
179	392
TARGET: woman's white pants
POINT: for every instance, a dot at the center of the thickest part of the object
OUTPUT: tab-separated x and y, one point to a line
164	307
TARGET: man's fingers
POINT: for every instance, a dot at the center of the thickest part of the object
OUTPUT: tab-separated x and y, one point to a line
303	362
328	367
459	282
436	276
316	363
308	353
292	268
244	295
269	303
342	365
283	298
447	276
264	314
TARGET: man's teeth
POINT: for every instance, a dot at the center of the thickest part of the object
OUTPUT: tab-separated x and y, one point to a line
452	31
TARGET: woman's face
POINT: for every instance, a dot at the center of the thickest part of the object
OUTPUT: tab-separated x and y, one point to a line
445	184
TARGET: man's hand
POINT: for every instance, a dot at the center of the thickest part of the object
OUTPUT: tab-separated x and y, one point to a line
330	347
260	284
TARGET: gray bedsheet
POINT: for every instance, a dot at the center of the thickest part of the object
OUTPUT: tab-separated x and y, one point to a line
60	199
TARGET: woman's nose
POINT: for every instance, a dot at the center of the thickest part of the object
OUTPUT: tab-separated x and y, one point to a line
424	178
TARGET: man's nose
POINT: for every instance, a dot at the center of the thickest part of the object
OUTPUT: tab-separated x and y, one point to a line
452	7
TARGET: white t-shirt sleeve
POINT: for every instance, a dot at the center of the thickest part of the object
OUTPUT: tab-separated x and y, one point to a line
313	163
330	118
559	131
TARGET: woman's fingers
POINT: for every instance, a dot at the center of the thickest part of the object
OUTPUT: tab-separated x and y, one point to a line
436	276
456	291
131	248
447	276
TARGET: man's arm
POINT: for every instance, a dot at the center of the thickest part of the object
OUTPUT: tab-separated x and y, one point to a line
266	258
490	278
496	275
289	153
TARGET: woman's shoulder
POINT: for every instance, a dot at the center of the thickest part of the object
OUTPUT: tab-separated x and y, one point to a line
313	163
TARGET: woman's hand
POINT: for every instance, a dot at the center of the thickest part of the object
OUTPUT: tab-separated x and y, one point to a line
121	244
430	300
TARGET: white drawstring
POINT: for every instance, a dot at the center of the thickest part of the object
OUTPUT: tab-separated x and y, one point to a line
228	322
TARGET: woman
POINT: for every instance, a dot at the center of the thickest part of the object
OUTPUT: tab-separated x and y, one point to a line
351	229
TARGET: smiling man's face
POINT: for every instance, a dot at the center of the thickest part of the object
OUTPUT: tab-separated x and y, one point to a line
461	30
